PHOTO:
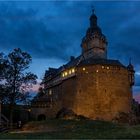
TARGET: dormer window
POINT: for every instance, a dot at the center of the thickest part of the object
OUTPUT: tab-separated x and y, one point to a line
73	70
66	73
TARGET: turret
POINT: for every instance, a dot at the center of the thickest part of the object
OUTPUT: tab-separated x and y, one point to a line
131	72
94	43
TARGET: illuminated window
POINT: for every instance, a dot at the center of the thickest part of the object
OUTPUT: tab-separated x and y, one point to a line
69	71
108	68
97	70
50	92
63	75
66	73
103	67
84	69
73	70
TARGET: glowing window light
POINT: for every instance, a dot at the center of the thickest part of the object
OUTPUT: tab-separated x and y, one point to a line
73	70
50	92
66	73
108	68
84	69
103	67
63	75
69	71
97	70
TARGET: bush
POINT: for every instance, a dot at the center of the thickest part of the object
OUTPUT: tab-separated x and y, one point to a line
66	113
128	118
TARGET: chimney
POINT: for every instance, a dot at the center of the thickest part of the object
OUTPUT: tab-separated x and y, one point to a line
72	58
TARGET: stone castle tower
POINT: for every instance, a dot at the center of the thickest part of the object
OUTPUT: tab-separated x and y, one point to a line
94	44
90	85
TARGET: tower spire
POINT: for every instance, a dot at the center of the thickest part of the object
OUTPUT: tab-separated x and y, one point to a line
94	43
93	19
93	10
130	60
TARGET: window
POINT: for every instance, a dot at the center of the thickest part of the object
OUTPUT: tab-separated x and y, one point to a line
97	70
84	69
50	92
66	73
69	71
103	67
63	75
108	68
73	70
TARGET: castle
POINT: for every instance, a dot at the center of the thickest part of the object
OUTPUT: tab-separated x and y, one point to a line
90	85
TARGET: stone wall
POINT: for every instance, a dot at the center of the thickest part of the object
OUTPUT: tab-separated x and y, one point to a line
69	92
102	91
97	92
49	112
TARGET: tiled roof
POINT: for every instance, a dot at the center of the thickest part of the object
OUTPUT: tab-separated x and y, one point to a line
80	61
92	61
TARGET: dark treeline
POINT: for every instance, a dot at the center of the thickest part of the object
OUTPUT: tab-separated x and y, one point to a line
15	81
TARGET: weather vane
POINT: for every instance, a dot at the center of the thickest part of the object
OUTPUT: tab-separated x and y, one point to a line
130	60
92	7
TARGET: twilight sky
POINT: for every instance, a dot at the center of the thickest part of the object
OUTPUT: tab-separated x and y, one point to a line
51	31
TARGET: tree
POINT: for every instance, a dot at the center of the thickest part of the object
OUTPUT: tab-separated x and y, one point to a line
15	80
3	65
41	92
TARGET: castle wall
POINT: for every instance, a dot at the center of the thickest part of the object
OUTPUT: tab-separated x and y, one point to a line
102	91
97	92
69	92
63	96
49	112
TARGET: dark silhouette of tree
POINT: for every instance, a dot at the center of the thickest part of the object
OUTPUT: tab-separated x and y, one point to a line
41	92
15	81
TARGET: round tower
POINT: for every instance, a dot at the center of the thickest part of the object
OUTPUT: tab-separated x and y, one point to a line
94	44
131	72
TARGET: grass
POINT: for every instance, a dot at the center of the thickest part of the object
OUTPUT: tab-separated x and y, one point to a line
83	129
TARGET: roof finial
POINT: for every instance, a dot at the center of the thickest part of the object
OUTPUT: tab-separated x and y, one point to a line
130	60
92	7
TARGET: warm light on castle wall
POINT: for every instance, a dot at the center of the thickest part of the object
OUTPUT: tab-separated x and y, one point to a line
65	73
84	69
73	70
103	67
68	72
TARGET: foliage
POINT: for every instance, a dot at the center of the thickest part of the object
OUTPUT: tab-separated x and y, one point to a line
66	113
15	81
128	118
41	92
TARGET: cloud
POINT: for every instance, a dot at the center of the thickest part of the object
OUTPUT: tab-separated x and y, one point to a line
137	98
22	28
53	30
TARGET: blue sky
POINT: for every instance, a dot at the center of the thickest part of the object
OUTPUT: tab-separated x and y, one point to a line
51	31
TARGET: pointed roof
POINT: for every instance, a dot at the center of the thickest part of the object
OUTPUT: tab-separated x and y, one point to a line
94	30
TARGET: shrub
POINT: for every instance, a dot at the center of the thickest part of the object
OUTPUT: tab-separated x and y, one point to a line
128	118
